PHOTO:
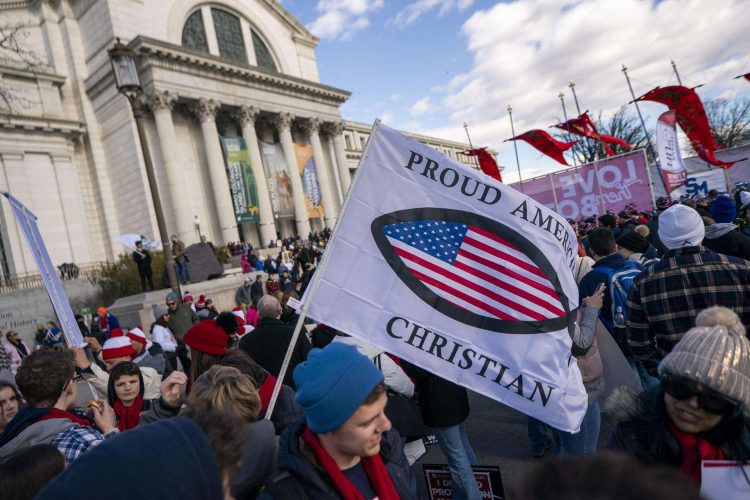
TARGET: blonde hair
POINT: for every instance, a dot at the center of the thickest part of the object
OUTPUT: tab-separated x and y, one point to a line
229	390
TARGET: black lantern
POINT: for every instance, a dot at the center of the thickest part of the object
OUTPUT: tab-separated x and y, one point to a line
123	65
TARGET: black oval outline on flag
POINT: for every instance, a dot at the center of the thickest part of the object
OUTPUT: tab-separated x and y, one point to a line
440	304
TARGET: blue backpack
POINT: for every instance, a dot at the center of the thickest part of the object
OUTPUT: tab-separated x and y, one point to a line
620	281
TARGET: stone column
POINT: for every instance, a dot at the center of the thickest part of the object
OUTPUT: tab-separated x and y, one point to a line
284	123
161	104
246	117
339	148
312	127
206	112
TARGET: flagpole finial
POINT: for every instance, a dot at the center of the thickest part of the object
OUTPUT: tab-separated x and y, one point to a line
561	95
509	109
673	63
571	84
624	69
466	125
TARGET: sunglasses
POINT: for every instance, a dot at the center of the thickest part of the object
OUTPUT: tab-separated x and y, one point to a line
170	304
713	402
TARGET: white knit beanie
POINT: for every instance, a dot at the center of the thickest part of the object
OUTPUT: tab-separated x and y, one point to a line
681	226
714	354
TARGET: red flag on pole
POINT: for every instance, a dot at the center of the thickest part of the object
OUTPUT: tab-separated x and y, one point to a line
545	143
585	127
486	162
691	116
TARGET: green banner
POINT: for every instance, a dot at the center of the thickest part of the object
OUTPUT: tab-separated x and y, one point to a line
242	185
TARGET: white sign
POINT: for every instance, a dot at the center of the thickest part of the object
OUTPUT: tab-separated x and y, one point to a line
698	184
670	159
453	271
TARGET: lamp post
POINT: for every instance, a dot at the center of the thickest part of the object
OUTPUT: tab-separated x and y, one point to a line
197	224
129	84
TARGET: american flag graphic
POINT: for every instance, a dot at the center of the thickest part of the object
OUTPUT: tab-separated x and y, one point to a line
475	270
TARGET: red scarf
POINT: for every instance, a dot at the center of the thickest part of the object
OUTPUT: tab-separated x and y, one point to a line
694	451
265	392
57	413
103	323
128	416
374	468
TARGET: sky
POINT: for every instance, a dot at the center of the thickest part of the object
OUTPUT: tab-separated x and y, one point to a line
428	66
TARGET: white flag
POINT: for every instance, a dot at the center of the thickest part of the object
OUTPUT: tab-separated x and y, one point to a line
670	158
451	270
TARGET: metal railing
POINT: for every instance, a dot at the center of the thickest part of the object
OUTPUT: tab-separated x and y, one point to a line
65	271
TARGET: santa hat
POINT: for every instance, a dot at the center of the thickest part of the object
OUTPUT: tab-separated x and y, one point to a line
237	311
188	297
201	304
116	332
117	347
244	330
137	335
207	337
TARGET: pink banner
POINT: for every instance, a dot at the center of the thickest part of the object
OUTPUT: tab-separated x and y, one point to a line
594	188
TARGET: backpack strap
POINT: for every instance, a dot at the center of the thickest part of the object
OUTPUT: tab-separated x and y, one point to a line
284	485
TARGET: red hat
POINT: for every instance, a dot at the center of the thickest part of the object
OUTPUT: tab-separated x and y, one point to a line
137	335
207	337
117	347
116	332
201	304
187	297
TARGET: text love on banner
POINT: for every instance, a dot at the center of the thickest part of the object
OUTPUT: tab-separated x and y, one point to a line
594	188
453	271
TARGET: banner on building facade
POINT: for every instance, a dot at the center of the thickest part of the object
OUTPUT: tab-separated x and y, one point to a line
27	222
594	188
668	146
698	184
242	183
455	272
310	183
277	178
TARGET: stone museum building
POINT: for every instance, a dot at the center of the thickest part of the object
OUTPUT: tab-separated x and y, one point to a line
69	147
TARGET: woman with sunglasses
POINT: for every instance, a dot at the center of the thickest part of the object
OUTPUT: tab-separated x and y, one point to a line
700	409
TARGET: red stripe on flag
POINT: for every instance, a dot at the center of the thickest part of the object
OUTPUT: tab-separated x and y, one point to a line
509	272
468	284
494	237
496	252
509	288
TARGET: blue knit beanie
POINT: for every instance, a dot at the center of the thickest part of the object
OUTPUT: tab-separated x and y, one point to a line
723	209
332	384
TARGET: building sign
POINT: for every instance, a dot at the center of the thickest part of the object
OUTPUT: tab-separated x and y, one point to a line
310	184
592	189
277	178
440	487
242	183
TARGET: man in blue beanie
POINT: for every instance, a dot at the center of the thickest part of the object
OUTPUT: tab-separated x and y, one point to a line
724	236
344	446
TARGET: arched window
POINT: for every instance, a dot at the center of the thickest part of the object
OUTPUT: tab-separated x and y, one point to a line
194	33
229	38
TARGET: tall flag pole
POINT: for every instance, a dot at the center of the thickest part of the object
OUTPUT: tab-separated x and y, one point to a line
515	147
572	87
676	73
565	115
476	160
649	147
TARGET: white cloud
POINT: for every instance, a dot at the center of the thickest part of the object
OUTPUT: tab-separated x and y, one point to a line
342	18
525	52
414	10
422	106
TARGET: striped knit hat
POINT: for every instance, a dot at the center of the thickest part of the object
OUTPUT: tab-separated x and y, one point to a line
715	353
117	348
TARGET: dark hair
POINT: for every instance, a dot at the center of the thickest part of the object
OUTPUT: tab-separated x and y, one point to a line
119	370
375	394
241	360
607	220
606	475
225	431
601	242
228	322
200	362
43	375
159	321
26	471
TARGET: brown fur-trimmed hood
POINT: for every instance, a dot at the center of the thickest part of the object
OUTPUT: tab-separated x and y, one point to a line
624	404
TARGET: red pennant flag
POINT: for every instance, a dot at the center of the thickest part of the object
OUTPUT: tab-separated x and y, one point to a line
545	143
486	162
691	116
746	76
585	127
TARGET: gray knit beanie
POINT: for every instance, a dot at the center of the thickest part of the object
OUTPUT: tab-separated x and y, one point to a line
159	311
714	354
172	297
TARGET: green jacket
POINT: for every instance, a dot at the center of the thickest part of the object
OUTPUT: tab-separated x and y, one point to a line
181	320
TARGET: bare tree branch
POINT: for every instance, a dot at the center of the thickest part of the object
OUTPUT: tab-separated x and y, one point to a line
730	121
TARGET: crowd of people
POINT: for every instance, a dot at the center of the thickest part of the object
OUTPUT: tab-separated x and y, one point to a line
194	389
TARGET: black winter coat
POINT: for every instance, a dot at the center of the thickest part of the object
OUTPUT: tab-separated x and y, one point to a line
441	402
732	243
300	463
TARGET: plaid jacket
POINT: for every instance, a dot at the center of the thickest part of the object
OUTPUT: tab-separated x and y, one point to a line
77	439
664	301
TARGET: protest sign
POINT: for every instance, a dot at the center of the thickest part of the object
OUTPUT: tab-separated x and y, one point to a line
440	486
592	189
310	184
447	268
698	184
30	230
670	158
242	185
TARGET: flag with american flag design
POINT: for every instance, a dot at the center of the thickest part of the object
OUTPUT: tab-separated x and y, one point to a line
445	267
